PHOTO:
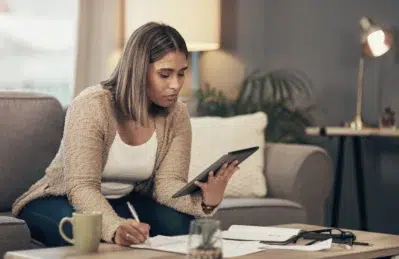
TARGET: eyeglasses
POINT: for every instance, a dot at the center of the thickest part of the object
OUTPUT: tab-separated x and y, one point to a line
337	235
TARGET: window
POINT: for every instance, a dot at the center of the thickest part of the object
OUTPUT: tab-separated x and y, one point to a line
38	46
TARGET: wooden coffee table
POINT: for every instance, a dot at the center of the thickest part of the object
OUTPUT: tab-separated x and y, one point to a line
383	245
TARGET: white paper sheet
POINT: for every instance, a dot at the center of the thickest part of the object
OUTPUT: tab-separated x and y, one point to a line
179	244
243	232
326	244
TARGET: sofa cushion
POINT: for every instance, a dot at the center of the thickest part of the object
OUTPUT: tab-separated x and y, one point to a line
31	130
213	137
14	235
262	211
6	214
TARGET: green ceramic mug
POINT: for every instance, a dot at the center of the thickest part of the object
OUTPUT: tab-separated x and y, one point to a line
86	231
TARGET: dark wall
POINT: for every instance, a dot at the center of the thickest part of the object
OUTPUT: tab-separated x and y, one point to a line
322	39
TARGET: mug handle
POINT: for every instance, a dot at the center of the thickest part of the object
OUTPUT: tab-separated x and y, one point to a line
64	220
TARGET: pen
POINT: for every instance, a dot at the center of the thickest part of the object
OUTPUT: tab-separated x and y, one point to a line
362	243
136	217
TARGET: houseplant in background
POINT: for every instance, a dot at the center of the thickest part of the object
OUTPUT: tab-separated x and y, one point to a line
283	94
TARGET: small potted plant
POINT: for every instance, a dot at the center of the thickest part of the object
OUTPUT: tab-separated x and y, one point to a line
387	119
205	240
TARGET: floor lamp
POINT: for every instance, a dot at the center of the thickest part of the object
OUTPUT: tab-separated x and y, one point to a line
375	42
197	20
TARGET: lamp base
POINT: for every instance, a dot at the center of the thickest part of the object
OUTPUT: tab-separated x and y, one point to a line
357	123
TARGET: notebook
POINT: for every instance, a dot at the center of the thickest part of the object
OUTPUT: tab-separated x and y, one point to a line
256	233
231	248
179	244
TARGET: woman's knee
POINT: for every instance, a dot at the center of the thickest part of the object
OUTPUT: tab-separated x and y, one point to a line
173	222
43	216
182	225
163	220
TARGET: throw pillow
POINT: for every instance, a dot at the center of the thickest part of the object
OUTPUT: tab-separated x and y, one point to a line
213	137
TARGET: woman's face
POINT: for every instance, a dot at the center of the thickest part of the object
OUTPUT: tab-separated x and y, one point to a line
166	77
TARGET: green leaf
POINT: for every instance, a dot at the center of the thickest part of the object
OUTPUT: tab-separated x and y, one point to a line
274	86
245	84
262	86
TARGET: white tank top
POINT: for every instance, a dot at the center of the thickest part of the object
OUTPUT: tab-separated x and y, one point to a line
126	165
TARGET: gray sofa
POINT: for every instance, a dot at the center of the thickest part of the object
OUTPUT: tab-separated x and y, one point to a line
299	177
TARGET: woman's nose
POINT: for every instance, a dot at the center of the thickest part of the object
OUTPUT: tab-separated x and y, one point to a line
175	84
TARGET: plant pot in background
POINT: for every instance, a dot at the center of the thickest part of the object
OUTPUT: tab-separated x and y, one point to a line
387	119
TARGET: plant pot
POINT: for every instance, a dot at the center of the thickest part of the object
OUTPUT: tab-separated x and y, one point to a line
200	253
387	121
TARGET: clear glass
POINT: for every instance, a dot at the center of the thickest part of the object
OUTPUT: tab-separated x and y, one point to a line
205	239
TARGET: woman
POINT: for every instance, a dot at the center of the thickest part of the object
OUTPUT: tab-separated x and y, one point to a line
127	139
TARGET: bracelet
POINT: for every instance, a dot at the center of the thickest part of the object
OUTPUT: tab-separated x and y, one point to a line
207	208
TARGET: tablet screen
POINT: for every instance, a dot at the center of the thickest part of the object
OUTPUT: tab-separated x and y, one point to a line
239	155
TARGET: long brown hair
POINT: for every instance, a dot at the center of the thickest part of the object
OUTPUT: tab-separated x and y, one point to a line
128	82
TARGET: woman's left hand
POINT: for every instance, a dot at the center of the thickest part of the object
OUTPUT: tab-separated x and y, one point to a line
213	189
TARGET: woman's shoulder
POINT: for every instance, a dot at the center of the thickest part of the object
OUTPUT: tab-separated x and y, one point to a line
95	93
93	101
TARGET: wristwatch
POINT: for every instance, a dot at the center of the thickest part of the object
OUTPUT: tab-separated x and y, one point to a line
208	208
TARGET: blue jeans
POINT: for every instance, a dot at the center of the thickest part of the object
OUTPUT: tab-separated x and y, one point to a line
43	216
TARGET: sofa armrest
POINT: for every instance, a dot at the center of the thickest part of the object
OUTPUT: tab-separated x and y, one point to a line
300	173
14	235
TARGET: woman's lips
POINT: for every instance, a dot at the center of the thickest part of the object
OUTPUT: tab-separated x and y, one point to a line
171	97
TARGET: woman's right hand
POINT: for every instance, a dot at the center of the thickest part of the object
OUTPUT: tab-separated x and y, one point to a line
131	232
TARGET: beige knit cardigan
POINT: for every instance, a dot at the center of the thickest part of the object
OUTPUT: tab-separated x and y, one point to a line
90	128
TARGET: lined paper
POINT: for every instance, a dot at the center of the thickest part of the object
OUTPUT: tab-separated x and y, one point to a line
179	244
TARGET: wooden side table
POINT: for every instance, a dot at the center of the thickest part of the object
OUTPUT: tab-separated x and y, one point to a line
355	135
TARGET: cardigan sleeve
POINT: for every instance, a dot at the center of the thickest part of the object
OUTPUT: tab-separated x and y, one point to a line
83	149
172	173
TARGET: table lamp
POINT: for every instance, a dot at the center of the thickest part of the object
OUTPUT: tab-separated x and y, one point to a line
375	42
197	20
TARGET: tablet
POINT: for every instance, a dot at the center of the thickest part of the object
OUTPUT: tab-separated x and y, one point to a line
239	155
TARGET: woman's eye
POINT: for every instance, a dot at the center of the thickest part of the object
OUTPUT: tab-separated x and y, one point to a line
181	74
164	75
